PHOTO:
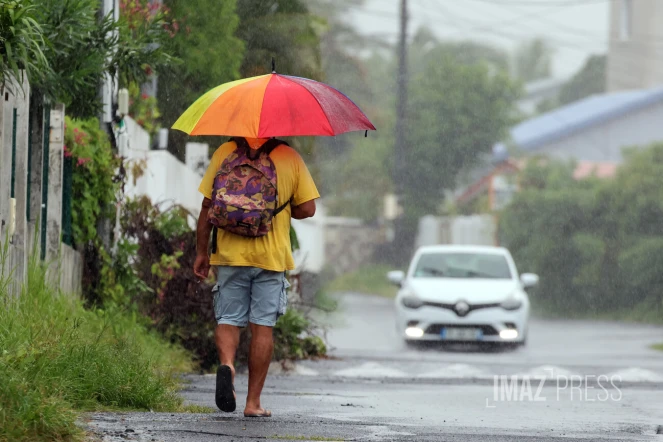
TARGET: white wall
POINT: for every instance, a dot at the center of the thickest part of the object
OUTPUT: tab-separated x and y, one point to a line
166	180
311	235
477	230
604	142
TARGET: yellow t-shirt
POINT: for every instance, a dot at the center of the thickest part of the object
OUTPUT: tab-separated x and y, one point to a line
273	251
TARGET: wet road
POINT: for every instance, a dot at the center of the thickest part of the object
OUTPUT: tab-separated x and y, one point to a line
574	381
363	330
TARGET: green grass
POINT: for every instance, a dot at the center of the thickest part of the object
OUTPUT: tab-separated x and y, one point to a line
57	359
370	279
658	347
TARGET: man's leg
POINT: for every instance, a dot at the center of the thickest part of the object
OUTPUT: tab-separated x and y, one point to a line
266	290
231	309
227	341
260	355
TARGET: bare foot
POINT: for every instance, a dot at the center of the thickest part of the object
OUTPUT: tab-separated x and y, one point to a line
256	412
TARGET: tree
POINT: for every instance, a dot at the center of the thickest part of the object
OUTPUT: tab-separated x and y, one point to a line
590	80
285	31
21	41
456	112
596	243
533	60
211	54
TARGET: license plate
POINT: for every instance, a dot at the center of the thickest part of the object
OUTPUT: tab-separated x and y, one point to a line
461	334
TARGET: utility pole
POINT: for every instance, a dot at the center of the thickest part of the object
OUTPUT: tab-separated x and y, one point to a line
400	238
401	104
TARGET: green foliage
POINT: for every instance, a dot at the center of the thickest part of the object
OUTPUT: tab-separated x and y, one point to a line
590	80
144	31
533	60
94	186
21	41
79	49
455	114
144	110
57	358
371	279
211	54
76	50
293	340
596	244
285	31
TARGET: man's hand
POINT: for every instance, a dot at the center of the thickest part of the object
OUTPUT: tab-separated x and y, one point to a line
201	266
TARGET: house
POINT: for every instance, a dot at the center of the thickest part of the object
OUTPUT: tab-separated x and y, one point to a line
593	132
634	54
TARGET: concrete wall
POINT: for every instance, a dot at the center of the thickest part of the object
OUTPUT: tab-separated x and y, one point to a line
461	230
165	180
604	142
349	244
311	235
635	61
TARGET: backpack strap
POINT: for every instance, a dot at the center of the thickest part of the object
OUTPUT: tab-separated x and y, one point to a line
267	148
270	145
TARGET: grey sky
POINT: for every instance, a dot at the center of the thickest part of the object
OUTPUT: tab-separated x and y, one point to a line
575	30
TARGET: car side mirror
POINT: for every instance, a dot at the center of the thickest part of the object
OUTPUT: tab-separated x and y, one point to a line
529	280
396	277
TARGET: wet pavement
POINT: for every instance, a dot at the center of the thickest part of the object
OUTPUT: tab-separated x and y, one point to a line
574	380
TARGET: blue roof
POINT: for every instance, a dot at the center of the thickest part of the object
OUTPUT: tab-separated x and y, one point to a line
564	121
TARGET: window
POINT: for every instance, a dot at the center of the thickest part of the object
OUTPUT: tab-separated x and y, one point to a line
626	20
463	265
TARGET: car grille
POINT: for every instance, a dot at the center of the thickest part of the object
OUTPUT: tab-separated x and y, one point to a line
436	329
452	307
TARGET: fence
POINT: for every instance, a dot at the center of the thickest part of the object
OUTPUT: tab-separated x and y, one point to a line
460	230
31	186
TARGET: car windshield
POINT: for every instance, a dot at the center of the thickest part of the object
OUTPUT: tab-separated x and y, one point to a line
462	265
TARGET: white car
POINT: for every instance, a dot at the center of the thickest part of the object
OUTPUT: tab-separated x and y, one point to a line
463	294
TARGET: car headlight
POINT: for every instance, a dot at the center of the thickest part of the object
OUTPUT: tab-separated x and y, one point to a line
411	301
511	304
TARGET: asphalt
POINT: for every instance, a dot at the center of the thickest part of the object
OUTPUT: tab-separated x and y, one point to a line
575	380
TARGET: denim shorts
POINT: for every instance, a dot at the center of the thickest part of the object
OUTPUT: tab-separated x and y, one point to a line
249	294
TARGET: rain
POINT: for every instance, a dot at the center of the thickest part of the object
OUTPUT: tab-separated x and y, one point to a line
403	220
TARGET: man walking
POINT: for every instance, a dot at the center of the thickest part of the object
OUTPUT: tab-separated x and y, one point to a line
251	252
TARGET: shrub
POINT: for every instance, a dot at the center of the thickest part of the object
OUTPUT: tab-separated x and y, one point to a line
56	358
596	244
180	305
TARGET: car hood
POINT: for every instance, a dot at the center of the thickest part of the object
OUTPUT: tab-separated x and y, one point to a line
452	290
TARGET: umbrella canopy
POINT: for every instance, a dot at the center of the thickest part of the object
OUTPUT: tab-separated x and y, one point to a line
272	105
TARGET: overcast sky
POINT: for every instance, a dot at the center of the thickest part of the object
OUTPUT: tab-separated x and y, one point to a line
575	29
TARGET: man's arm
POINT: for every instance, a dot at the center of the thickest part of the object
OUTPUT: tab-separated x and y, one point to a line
201	266
304	210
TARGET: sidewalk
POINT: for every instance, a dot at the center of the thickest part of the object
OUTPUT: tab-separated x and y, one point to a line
327	409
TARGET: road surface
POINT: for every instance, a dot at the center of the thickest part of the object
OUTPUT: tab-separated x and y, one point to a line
575	380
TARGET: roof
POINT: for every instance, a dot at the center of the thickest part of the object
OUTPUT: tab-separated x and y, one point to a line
586	169
575	117
463	249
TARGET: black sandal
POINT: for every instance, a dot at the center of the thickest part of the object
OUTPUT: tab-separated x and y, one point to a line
225	399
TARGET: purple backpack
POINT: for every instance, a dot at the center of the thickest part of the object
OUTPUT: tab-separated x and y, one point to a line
244	196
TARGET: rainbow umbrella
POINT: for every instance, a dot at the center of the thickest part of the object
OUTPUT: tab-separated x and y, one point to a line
272	105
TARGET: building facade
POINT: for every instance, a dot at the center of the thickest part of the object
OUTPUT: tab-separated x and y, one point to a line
635	56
